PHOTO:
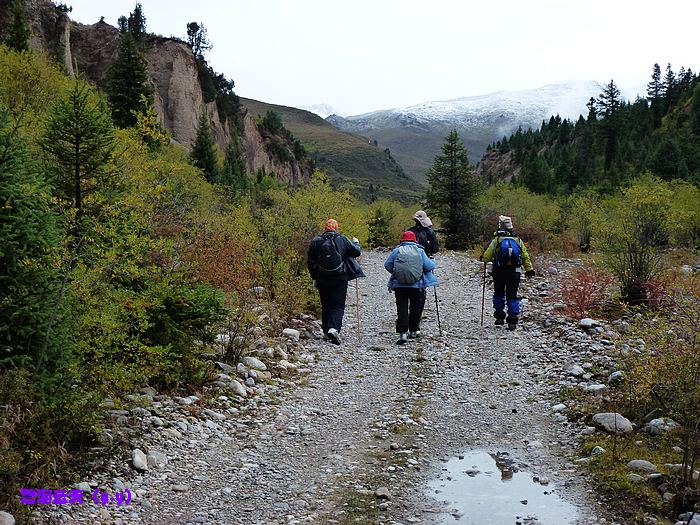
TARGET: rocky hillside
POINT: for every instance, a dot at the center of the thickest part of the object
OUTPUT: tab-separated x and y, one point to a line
350	160
172	71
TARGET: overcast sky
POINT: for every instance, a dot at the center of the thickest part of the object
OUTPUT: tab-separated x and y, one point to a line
364	55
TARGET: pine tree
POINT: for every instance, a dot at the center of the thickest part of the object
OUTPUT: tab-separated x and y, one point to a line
197	39
28	236
608	104
234	173
18	33
136	24
670	90
79	141
454	190
128	83
202	154
654	90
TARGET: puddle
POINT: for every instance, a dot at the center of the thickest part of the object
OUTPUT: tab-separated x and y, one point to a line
490	489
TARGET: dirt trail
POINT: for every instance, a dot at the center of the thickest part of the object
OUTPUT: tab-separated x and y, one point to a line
376	415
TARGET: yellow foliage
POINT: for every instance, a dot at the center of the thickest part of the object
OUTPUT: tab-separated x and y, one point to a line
30	83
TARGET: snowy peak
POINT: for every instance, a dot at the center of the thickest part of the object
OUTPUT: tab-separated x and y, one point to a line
323	110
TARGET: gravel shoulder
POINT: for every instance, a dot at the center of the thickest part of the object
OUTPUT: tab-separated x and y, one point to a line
315	447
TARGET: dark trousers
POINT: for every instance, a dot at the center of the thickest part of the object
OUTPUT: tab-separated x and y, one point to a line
505	293
332	292
409	308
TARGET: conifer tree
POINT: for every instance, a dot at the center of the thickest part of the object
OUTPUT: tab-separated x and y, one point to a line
670	90
27	239
234	173
18	33
79	142
197	39
202	154
454	190
136	24
608	104
654	89
128	83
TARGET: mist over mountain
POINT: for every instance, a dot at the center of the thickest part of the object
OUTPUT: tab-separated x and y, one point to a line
323	110
415	134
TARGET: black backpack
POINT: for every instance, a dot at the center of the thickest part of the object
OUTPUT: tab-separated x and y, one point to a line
330	260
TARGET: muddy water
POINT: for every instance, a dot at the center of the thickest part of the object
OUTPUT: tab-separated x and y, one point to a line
482	488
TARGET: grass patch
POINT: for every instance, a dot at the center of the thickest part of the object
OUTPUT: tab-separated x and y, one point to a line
610	474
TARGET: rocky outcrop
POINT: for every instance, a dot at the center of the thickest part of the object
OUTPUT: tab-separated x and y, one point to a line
258	157
172	70
495	166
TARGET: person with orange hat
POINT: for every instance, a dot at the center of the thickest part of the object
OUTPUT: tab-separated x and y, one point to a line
425	235
411	273
330	270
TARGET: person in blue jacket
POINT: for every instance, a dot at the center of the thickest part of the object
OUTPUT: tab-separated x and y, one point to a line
411	273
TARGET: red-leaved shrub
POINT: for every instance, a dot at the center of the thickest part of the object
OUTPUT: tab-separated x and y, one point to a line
585	289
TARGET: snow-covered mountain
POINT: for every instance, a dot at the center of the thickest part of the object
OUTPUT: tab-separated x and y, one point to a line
323	110
415	134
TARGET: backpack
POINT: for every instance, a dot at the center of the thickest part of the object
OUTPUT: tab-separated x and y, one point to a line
330	260
508	253
408	265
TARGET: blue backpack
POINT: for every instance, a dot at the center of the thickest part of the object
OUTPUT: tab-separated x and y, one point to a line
508	253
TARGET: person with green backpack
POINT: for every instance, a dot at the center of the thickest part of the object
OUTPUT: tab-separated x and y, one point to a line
508	253
411	273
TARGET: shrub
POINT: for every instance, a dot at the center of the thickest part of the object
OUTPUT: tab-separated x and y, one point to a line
631	229
587	288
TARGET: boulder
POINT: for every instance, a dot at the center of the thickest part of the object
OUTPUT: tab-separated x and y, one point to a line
6	518
641	465
660	425
238	388
254	363
139	460
612	422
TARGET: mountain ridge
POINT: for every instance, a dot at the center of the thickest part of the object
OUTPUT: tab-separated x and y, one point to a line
416	133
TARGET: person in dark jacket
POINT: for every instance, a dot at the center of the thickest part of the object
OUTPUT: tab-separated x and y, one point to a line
330	268
425	236
410	296
506	277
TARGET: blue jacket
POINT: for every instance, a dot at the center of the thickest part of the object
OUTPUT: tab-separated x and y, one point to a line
427	280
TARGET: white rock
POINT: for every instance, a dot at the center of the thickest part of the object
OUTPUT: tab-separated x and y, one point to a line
587	323
238	388
289	367
559	408
576	371
139	460
6	518
254	363
596	388
291	333
613	422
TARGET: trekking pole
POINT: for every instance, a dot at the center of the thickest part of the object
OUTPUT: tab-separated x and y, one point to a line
357	308
483	294
437	310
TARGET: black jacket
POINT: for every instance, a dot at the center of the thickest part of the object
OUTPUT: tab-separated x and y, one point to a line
347	250
426	238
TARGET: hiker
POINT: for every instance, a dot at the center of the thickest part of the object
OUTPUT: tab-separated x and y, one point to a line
331	265
423	228
508	253
411	273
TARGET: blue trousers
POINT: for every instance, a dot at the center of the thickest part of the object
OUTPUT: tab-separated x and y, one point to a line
505	293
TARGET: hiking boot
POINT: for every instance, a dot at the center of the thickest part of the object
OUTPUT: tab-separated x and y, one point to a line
414	335
403	339
334	336
500	322
511	326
